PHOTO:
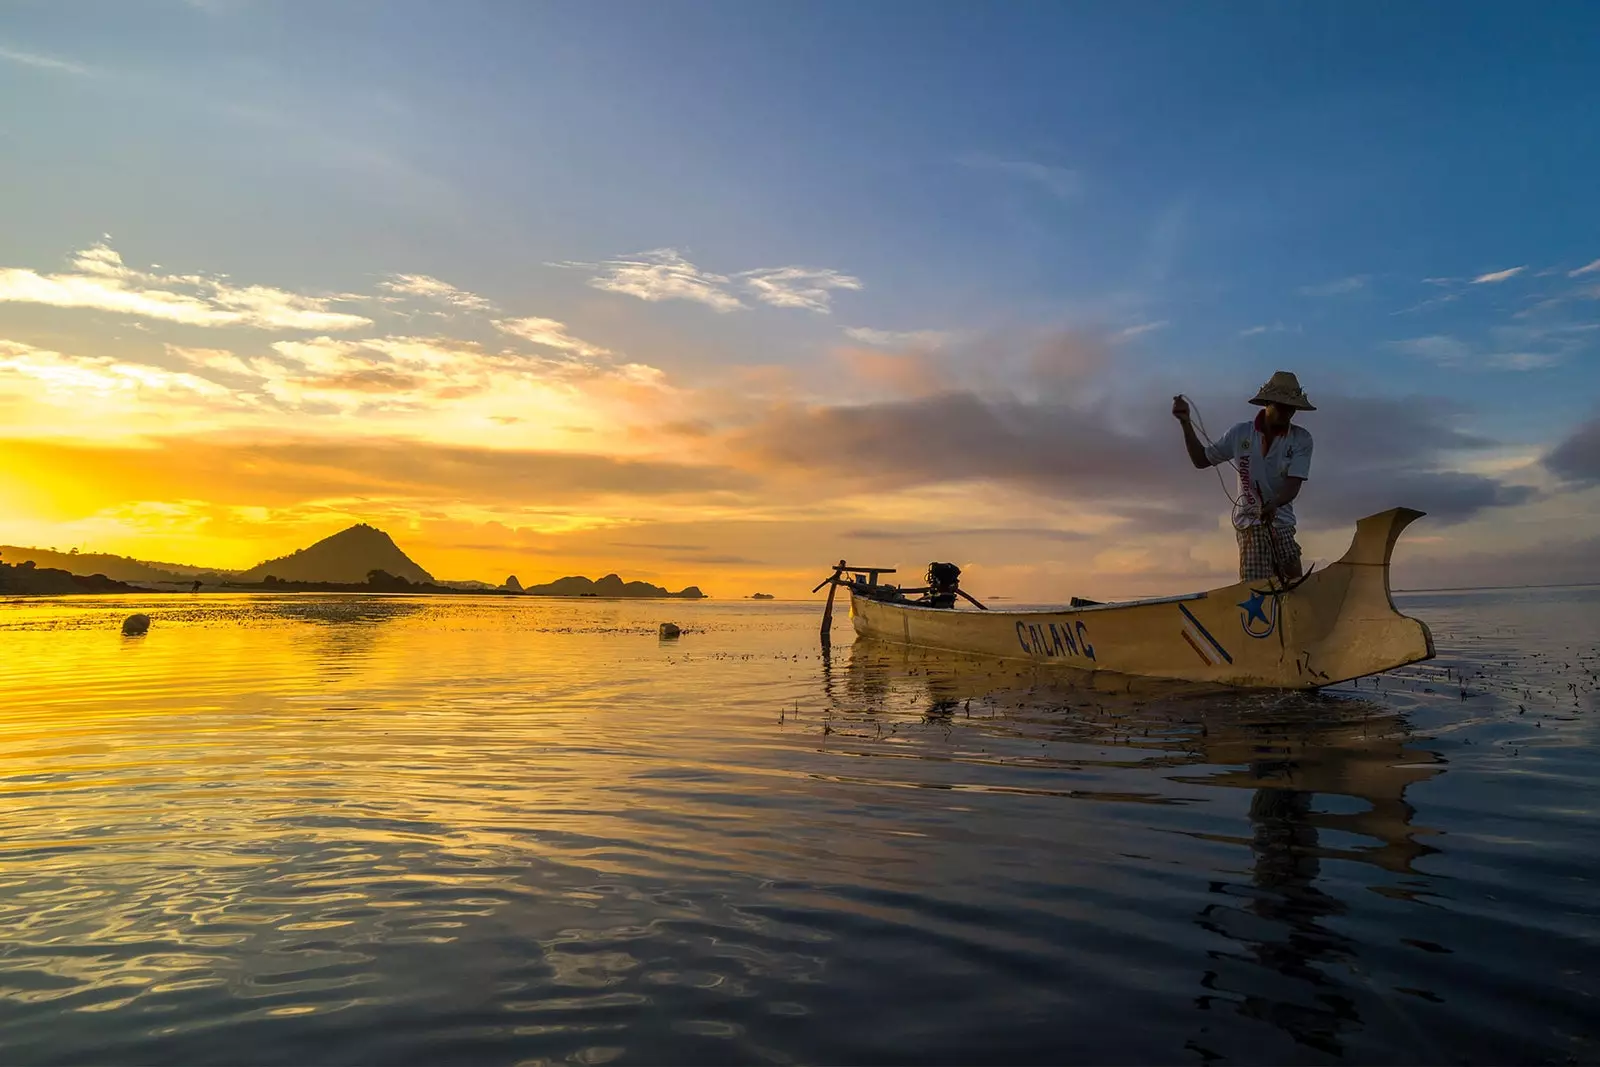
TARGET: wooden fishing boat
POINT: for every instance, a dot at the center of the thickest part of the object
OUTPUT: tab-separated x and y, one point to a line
1335	624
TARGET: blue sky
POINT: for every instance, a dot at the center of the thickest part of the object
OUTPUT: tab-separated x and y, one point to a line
1393	200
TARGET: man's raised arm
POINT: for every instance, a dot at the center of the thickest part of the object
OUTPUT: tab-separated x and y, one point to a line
1197	451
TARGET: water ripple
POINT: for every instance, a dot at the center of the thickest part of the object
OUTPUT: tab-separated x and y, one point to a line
391	830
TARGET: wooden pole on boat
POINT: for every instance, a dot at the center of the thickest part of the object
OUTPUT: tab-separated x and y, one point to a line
827	612
975	602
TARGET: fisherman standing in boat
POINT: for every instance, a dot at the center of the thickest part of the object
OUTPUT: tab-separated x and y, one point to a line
1274	459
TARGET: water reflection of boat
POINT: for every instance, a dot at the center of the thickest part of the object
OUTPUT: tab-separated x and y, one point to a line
1335	624
1328	777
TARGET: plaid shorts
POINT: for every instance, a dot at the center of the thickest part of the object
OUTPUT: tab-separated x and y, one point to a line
1259	547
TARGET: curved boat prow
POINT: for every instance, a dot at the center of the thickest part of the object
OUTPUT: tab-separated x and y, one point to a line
1376	535
1344	617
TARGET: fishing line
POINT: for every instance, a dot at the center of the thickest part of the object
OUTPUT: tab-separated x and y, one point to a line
1200	424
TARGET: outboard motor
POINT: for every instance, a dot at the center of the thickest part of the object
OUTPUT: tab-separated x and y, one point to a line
944	581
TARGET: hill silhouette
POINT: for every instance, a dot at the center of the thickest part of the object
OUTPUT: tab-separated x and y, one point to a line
609	586
26	579
119	568
347	556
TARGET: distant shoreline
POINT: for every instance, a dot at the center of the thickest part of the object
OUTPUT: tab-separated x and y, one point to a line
1497	588
7	594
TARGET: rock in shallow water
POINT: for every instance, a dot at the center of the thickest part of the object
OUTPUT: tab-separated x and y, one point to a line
670	629
135	624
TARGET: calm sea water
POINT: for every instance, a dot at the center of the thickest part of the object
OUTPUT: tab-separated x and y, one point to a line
321	829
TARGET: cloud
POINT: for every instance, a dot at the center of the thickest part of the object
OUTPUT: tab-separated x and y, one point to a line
432	288
214	359
446	389
1587	268
663	274
1130	332
1522	360
43	62
900	338
305	470
1059	182
102	282
1452	352
1522	347
797	287
936	533
1495	277
1577	457
910	373
1338	287
101	376
1423	305
551	334
1436	348
1373	454
1263	328
393	373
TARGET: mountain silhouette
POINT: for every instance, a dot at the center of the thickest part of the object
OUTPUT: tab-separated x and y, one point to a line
348	556
610	586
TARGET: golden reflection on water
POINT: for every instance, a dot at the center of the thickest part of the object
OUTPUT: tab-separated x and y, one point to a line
401	813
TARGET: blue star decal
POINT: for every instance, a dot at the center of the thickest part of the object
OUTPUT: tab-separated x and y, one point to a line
1253	609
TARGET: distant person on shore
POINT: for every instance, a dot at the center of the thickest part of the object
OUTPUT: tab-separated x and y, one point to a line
1274	460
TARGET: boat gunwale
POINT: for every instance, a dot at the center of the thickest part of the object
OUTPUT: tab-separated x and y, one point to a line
1063	610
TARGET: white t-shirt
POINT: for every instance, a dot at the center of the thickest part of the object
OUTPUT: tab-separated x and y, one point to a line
1263	468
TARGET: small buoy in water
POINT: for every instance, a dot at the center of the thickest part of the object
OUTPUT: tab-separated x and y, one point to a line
134	625
670	629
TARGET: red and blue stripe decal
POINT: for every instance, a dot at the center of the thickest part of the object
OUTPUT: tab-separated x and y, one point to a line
1208	648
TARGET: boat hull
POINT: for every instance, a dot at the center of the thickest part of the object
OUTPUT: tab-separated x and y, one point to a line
1338	624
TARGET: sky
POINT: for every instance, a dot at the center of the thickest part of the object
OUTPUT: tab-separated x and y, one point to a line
719	293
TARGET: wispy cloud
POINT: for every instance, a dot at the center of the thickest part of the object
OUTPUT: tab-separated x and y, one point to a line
1059	182
797	287
663	274
213	359
900	338
1258	330
1423	305
1139	330
103	377
1496	276
1523	360
1338	287
550	334
42	62
1588	268
1436	348
433	289
102	282
1513	348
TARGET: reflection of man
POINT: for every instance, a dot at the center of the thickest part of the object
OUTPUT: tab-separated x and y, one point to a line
1274	460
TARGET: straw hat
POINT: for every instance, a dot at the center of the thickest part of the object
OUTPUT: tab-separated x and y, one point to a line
1283	388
